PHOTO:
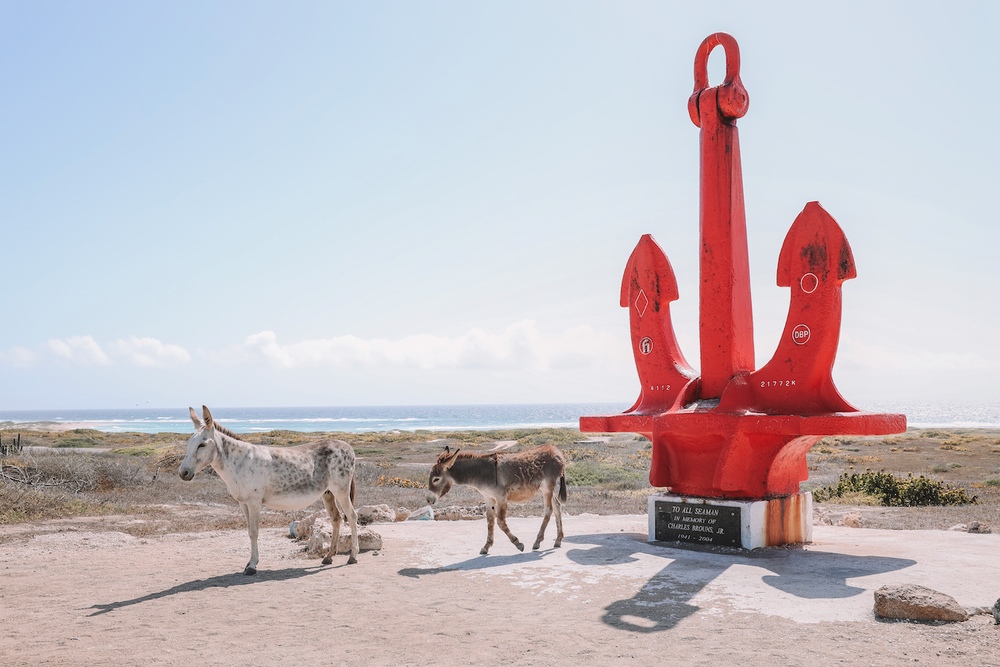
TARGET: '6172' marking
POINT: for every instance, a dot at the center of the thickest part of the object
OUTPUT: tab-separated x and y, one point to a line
777	383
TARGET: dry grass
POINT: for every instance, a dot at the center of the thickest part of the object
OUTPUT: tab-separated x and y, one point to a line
134	488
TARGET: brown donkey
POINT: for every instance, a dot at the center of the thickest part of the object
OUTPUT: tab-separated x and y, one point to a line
506	477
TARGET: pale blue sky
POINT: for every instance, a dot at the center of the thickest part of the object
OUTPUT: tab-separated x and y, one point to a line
433	202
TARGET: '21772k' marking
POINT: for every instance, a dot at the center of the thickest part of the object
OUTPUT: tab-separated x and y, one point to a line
777	383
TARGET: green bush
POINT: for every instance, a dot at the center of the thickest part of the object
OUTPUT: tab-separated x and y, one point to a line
992	482
370	451
892	491
525	437
75	442
605	476
144	450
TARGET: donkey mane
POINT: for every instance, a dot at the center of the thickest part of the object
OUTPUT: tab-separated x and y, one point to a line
467	455
225	431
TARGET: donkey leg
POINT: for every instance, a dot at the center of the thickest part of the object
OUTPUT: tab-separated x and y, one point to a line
557	506
547	497
252	511
331	508
502	520
347	507
490	516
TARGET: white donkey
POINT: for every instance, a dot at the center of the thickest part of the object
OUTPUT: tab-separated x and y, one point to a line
283	478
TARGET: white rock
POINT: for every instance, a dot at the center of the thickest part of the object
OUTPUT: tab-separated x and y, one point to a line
317	530
425	513
376	514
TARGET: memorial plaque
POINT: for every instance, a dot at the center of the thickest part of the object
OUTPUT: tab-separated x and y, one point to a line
697	523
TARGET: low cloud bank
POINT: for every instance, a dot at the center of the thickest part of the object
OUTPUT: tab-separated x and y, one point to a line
521	346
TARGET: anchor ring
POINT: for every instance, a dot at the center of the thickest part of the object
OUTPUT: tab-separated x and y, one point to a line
733	99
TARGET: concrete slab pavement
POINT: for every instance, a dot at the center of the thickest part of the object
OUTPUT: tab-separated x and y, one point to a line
831	579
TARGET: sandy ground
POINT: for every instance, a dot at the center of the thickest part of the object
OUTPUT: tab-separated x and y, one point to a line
73	597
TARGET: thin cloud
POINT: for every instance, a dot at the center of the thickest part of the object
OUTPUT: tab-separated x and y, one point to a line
82	350
521	346
150	352
18	357
901	358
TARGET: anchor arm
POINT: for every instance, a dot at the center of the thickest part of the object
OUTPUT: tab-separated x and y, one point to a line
648	287
815	261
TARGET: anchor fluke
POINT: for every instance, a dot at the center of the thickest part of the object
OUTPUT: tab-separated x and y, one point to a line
648	287
814	262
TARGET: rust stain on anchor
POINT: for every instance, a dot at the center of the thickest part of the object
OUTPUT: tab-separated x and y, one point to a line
783	520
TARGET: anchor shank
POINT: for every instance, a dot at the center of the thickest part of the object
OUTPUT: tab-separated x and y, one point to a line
726	317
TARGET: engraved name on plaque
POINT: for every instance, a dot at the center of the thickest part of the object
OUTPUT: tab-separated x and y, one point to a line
698	524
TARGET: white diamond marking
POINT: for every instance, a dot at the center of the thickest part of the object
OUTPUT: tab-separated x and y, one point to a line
641	302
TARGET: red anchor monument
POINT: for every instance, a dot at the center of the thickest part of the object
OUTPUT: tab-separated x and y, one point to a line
731	444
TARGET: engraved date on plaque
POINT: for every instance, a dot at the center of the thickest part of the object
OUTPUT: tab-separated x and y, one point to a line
698	524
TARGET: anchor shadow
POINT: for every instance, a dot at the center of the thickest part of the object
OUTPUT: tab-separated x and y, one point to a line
665	600
219	581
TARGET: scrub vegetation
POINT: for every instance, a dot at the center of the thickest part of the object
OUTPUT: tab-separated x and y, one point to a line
128	481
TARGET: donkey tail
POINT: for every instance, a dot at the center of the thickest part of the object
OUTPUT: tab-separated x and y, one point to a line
352	489
562	488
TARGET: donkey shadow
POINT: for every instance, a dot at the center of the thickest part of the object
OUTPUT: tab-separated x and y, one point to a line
665	599
483	562
219	581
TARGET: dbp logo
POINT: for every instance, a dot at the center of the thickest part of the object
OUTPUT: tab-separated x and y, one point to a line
800	334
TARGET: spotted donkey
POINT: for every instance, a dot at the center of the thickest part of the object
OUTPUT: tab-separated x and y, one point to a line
282	478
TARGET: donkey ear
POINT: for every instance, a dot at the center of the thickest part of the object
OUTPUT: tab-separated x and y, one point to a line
195	418
209	422
449	460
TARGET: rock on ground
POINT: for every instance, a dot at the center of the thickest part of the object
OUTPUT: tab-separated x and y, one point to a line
457	513
376	514
978	527
317	531
917	603
851	520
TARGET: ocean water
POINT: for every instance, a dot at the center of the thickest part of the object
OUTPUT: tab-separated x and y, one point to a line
343	419
926	414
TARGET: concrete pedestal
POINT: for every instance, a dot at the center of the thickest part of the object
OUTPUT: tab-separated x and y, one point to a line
749	524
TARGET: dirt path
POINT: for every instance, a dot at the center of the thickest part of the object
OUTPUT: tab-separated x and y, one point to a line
606	597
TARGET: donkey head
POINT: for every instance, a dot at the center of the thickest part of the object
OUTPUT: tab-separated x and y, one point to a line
202	448
441	480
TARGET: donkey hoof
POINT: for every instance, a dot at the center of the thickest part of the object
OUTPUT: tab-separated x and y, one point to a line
535	546
520	547
557	545
352	560
484	551
250	571
327	561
